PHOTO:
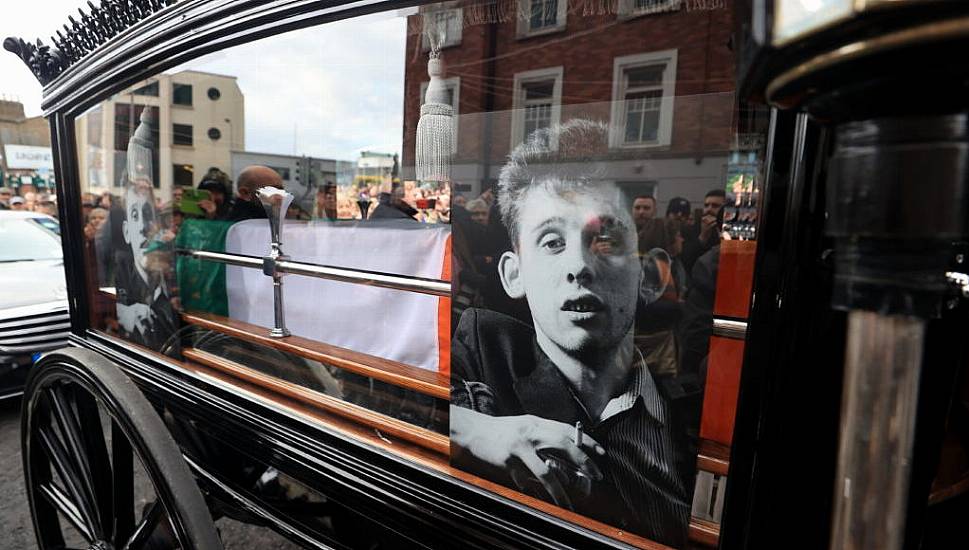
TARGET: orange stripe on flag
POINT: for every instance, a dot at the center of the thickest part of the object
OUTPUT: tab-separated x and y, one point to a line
444	317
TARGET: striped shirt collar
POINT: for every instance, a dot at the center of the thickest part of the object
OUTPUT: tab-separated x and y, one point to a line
640	385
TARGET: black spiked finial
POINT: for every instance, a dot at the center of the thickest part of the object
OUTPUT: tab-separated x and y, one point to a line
103	22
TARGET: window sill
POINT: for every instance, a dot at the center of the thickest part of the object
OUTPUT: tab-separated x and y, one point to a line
525	35
642	145
636	14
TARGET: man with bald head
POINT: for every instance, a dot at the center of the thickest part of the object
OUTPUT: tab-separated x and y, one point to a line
246	205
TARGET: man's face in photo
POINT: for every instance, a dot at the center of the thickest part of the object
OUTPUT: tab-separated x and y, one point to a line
139	216
644	209
712	205
576	264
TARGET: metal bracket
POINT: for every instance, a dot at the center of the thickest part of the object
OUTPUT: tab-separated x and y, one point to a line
275	202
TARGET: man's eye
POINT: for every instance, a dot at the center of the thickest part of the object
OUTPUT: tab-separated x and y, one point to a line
552	242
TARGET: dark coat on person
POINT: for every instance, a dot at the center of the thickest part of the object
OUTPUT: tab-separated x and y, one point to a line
240	209
497	368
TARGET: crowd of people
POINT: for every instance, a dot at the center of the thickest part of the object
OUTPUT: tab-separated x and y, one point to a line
673	331
680	249
407	200
42	203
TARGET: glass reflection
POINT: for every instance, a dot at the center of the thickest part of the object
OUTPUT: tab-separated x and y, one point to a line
576	183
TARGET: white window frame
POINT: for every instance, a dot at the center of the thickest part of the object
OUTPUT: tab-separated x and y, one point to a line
518	101
618	119
450	41
525	15
627	8
453	83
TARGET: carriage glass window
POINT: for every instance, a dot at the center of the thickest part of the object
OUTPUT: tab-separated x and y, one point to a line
469	222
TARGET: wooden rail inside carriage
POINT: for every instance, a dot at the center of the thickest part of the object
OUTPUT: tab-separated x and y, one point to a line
389	425
268	389
422	446
398	374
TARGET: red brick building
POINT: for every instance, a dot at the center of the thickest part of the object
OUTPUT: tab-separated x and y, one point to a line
659	72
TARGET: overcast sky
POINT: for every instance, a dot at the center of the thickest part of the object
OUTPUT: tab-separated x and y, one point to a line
331	91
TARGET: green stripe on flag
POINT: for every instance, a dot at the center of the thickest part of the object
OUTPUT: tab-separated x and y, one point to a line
201	284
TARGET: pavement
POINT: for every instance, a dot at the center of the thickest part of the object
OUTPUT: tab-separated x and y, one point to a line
16	528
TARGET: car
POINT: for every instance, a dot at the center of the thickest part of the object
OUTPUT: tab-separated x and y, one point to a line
34	316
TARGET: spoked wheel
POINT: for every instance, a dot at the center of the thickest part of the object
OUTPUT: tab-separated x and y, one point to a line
102	470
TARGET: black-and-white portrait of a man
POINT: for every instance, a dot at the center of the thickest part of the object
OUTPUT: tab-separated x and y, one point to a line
144	309
564	408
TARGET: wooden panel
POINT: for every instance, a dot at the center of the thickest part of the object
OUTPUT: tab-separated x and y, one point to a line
415	453
735	279
392	426
713	457
405	376
704	532
722	387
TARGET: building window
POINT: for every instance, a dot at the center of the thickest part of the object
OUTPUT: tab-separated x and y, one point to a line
182	134
450	23
150	89
214	93
182	95
634	8
642	100
183	175
537	103
215	134
536	17
453	87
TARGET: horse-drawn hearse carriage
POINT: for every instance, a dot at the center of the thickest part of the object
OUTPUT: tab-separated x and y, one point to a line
507	274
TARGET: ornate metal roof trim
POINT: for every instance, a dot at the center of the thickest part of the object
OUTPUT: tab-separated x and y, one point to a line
104	22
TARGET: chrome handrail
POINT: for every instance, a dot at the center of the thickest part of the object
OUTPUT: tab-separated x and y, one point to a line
433	287
726	328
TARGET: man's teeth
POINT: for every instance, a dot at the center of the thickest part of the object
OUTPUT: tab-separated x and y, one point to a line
583	308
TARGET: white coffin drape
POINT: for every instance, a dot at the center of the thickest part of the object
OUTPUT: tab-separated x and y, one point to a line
397	325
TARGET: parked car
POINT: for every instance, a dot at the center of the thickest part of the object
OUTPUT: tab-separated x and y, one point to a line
33	295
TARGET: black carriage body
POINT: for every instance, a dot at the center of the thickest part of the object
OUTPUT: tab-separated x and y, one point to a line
414	506
784	450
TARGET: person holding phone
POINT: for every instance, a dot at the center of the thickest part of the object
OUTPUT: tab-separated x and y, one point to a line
216	207
707	232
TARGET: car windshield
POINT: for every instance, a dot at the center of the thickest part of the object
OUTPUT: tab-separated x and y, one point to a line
28	239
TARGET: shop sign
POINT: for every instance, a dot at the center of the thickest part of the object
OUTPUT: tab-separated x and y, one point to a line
26	157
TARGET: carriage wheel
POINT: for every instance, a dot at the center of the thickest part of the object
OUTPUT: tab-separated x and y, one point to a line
89	437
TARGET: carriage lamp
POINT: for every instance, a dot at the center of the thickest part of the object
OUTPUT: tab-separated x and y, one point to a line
896	191
276	202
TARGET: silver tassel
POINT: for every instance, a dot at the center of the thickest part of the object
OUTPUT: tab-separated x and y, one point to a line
435	130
